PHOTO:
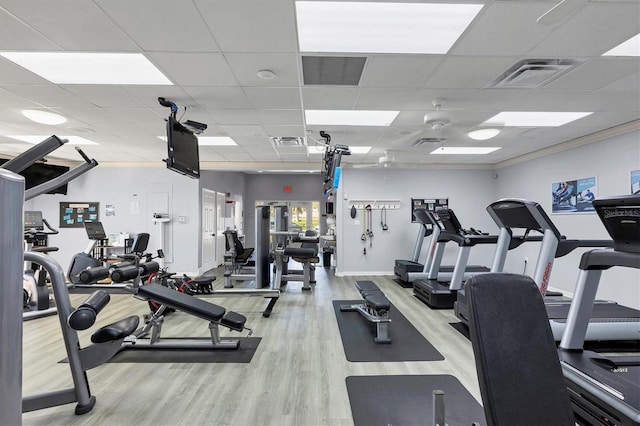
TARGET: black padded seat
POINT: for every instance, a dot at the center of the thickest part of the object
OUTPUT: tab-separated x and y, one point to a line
520	376
367	287
182	302
242	254
301	252
234	320
203	280
116	331
378	301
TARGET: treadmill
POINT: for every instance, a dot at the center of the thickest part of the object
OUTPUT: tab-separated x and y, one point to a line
434	290
604	388
403	267
610	321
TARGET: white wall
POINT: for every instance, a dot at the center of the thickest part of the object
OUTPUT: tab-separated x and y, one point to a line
611	162
131	192
469	192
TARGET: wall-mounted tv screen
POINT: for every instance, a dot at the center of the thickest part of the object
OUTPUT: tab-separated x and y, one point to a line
183	152
38	173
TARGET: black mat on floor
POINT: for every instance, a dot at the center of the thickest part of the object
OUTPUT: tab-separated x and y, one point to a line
408	400
402	284
243	355
407	344
461	328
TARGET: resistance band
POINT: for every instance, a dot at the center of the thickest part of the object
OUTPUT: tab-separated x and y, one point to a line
383	219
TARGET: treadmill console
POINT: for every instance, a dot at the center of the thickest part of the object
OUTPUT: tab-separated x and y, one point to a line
95	231
621	217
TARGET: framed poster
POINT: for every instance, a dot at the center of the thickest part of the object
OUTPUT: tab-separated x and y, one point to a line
431	204
573	196
635	182
73	214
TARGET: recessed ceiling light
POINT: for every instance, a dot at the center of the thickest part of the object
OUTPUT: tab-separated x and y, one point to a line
73	140
90	68
216	141
423	28
534	118
266	74
464	150
483	134
349	117
44	117
630	47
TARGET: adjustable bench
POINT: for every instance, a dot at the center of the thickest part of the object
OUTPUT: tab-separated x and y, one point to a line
168	298
375	308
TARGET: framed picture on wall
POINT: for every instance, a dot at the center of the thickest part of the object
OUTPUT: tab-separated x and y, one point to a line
573	196
635	181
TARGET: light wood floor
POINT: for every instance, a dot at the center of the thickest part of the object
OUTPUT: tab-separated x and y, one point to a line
296	377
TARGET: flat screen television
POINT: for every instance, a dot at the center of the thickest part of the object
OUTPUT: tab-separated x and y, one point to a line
38	173
182	148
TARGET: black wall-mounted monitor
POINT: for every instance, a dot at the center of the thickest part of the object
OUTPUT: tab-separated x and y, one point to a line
182	148
38	173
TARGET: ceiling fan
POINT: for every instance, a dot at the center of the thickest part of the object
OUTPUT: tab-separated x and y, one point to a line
436	121
385	161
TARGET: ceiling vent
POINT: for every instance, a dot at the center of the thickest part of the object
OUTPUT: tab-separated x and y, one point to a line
288	141
427	141
332	70
533	73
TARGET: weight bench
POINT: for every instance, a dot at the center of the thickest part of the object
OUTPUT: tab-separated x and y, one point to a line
308	257
376	309
168	298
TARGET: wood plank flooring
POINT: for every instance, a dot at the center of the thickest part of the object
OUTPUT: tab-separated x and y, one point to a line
297	375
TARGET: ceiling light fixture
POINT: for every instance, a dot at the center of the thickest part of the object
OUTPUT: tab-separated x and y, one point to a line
349	117
483	134
630	47
266	74
359	149
44	117
471	150
216	141
90	68
534	118
421	28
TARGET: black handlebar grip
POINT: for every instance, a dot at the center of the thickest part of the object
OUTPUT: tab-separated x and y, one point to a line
92	275
125	273
85	315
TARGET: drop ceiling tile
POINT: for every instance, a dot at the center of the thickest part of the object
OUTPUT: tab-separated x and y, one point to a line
273	98
194	69
265	26
384	99
103	96
161	25
280	116
329	97
486	35
148	95
297	131
255	143
10	99
577	35
16	35
218	97
243	130
606	101
48	95
233	116
596	73
628	83
264	156
246	65
454	72
398	70
73	25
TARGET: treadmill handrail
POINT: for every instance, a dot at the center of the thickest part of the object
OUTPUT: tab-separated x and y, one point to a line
602	259
522	214
567	246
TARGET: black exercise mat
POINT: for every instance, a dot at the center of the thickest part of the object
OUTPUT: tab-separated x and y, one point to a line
407	344
408	400
461	328
401	283
243	355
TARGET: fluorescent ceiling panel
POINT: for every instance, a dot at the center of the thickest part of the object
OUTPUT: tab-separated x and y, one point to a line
359	149
630	47
90	68
534	118
73	140
349	117
425	28
472	150
216	141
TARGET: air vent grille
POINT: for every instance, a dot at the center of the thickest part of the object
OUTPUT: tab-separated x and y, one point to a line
427	141
332	70
288	141
533	73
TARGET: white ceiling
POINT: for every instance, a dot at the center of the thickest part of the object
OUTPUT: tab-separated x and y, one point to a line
212	49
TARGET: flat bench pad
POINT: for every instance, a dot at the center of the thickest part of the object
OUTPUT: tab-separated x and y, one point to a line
300	252
378	301
203	280
367	287
182	302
